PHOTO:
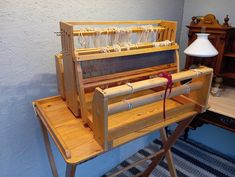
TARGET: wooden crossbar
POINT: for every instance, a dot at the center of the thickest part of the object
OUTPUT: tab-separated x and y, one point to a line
150	22
154	82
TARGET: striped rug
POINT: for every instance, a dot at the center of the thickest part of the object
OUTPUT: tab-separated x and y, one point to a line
190	160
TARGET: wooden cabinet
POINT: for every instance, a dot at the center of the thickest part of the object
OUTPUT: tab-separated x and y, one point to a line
222	36
228	64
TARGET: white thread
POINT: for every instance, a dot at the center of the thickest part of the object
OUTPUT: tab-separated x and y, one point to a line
104	49
129	33
198	72
162	43
131	86
81	38
188	89
155	35
130	106
97	37
117	48
116	36
107	37
128	45
156	44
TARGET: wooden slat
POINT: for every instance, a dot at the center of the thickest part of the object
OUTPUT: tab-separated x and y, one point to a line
177	60
67	42
81	92
229	54
201	96
147	130
133	120
122	79
60	75
100	115
130	73
125	53
150	22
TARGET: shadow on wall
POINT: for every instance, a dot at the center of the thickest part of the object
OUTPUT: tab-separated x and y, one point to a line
16	96
21	141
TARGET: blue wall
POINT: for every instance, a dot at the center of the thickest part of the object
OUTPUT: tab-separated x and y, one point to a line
27	72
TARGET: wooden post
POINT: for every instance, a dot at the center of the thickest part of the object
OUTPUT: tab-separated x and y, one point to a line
67	41
81	92
167	145
100	118
70	170
169	157
48	149
177	60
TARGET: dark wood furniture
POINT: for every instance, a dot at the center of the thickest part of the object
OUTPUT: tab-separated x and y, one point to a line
222	36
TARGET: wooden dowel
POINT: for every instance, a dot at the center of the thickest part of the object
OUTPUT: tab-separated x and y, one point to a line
149	22
154	82
150	98
111	49
110	31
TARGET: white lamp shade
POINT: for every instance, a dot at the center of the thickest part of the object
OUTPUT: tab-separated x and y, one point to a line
201	47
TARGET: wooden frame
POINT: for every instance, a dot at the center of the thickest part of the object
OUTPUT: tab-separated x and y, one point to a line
119	122
77	143
120	106
75	85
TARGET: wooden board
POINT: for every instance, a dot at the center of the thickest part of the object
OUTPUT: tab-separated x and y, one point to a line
134	135
67	131
60	74
126	122
125	53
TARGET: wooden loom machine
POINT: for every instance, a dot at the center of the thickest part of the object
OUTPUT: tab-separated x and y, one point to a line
108	75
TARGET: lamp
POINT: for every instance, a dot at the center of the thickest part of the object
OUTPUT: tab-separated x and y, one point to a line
201	47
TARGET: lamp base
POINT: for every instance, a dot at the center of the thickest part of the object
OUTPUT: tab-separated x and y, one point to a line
196	65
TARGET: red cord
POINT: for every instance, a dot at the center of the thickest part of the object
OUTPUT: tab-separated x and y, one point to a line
169	85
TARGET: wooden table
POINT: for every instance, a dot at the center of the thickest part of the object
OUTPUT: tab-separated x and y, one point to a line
221	112
77	144
225	104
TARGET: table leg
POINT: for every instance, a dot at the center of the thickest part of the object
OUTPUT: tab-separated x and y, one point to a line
48	149
70	170
186	133
167	145
169	157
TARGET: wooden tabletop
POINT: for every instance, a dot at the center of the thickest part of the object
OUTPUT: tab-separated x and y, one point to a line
225	104
75	142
